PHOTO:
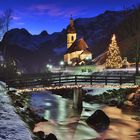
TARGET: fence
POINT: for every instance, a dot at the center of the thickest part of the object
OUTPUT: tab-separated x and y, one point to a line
70	79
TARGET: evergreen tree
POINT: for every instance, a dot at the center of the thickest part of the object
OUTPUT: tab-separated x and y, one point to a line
114	59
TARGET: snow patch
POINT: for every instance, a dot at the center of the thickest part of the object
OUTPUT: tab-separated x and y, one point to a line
11	125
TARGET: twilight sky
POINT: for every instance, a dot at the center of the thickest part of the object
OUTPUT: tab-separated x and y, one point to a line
53	15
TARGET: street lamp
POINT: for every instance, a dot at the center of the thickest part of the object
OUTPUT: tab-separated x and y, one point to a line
87	58
49	67
61	63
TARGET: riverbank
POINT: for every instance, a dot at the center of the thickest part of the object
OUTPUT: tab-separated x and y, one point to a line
128	98
33	115
121	98
20	102
11	125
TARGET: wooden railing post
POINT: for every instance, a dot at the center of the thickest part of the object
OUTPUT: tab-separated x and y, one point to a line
26	83
120	80
75	79
91	80
59	80
105	80
134	77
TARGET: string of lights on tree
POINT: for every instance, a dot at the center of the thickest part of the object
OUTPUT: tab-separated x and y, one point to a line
114	59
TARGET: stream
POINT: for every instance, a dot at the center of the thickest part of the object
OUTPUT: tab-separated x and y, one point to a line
69	124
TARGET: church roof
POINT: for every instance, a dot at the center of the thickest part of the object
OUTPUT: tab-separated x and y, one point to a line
86	52
71	29
78	45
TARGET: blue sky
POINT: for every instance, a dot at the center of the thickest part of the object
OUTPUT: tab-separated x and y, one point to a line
53	15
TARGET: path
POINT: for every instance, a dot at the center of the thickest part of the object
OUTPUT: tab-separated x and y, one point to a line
11	125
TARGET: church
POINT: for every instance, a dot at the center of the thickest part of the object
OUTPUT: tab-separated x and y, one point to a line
77	49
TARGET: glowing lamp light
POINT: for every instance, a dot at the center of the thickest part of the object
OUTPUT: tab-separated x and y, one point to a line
87	58
49	66
18	72
61	63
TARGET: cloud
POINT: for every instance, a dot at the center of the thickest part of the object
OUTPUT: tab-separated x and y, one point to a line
16	17
20	23
53	10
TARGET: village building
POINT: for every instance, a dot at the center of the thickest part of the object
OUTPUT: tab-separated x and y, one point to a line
77	49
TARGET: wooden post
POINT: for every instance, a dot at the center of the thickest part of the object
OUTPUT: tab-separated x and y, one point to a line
75	80
105	80
134	80
120	80
91	79
77	98
137	80
59	80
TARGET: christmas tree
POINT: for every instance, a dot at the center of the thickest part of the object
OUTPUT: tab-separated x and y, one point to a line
114	59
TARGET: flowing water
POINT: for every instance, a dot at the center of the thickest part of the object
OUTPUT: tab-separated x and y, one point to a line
69	124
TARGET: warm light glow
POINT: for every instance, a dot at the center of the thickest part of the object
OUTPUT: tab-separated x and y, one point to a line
18	72
61	63
114	59
49	66
74	86
87	58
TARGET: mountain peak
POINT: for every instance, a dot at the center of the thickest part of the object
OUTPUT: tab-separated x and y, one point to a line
109	11
24	30
17	31
44	33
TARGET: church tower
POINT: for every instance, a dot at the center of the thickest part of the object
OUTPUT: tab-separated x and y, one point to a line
77	49
71	33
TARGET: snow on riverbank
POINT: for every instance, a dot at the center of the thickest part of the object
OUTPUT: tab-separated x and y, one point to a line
98	90
11	125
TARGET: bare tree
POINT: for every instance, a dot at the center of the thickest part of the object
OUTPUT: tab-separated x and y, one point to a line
1	27
7	15
5	21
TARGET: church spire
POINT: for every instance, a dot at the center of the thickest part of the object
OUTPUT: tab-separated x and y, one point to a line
71	17
71	28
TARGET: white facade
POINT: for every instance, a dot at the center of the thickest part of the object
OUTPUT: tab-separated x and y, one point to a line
71	37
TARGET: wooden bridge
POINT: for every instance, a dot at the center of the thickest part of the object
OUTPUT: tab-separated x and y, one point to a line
58	80
25	81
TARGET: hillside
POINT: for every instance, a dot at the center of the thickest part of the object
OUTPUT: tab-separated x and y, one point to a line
33	52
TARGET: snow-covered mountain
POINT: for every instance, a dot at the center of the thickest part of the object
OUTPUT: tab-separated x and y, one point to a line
34	51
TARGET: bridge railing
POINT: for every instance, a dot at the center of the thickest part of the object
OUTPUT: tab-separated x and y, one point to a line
70	79
90	79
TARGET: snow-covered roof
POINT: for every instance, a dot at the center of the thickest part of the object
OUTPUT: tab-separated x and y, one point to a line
78	45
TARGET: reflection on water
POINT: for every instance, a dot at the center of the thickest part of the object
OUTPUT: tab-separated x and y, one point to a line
52	107
123	126
67	123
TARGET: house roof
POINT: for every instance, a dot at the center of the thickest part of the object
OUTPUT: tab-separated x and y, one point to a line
86	52
78	45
